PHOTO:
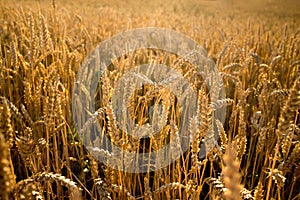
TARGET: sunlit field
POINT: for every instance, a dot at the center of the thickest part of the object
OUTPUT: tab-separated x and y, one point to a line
255	150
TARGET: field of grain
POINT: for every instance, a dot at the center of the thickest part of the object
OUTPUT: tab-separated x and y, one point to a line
255	48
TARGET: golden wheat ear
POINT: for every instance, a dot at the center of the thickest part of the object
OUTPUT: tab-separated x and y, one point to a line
232	176
75	191
8	180
259	192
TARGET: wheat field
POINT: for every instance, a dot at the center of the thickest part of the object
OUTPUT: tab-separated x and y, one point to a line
255	48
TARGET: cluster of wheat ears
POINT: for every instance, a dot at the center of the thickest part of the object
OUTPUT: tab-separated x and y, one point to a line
257	155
